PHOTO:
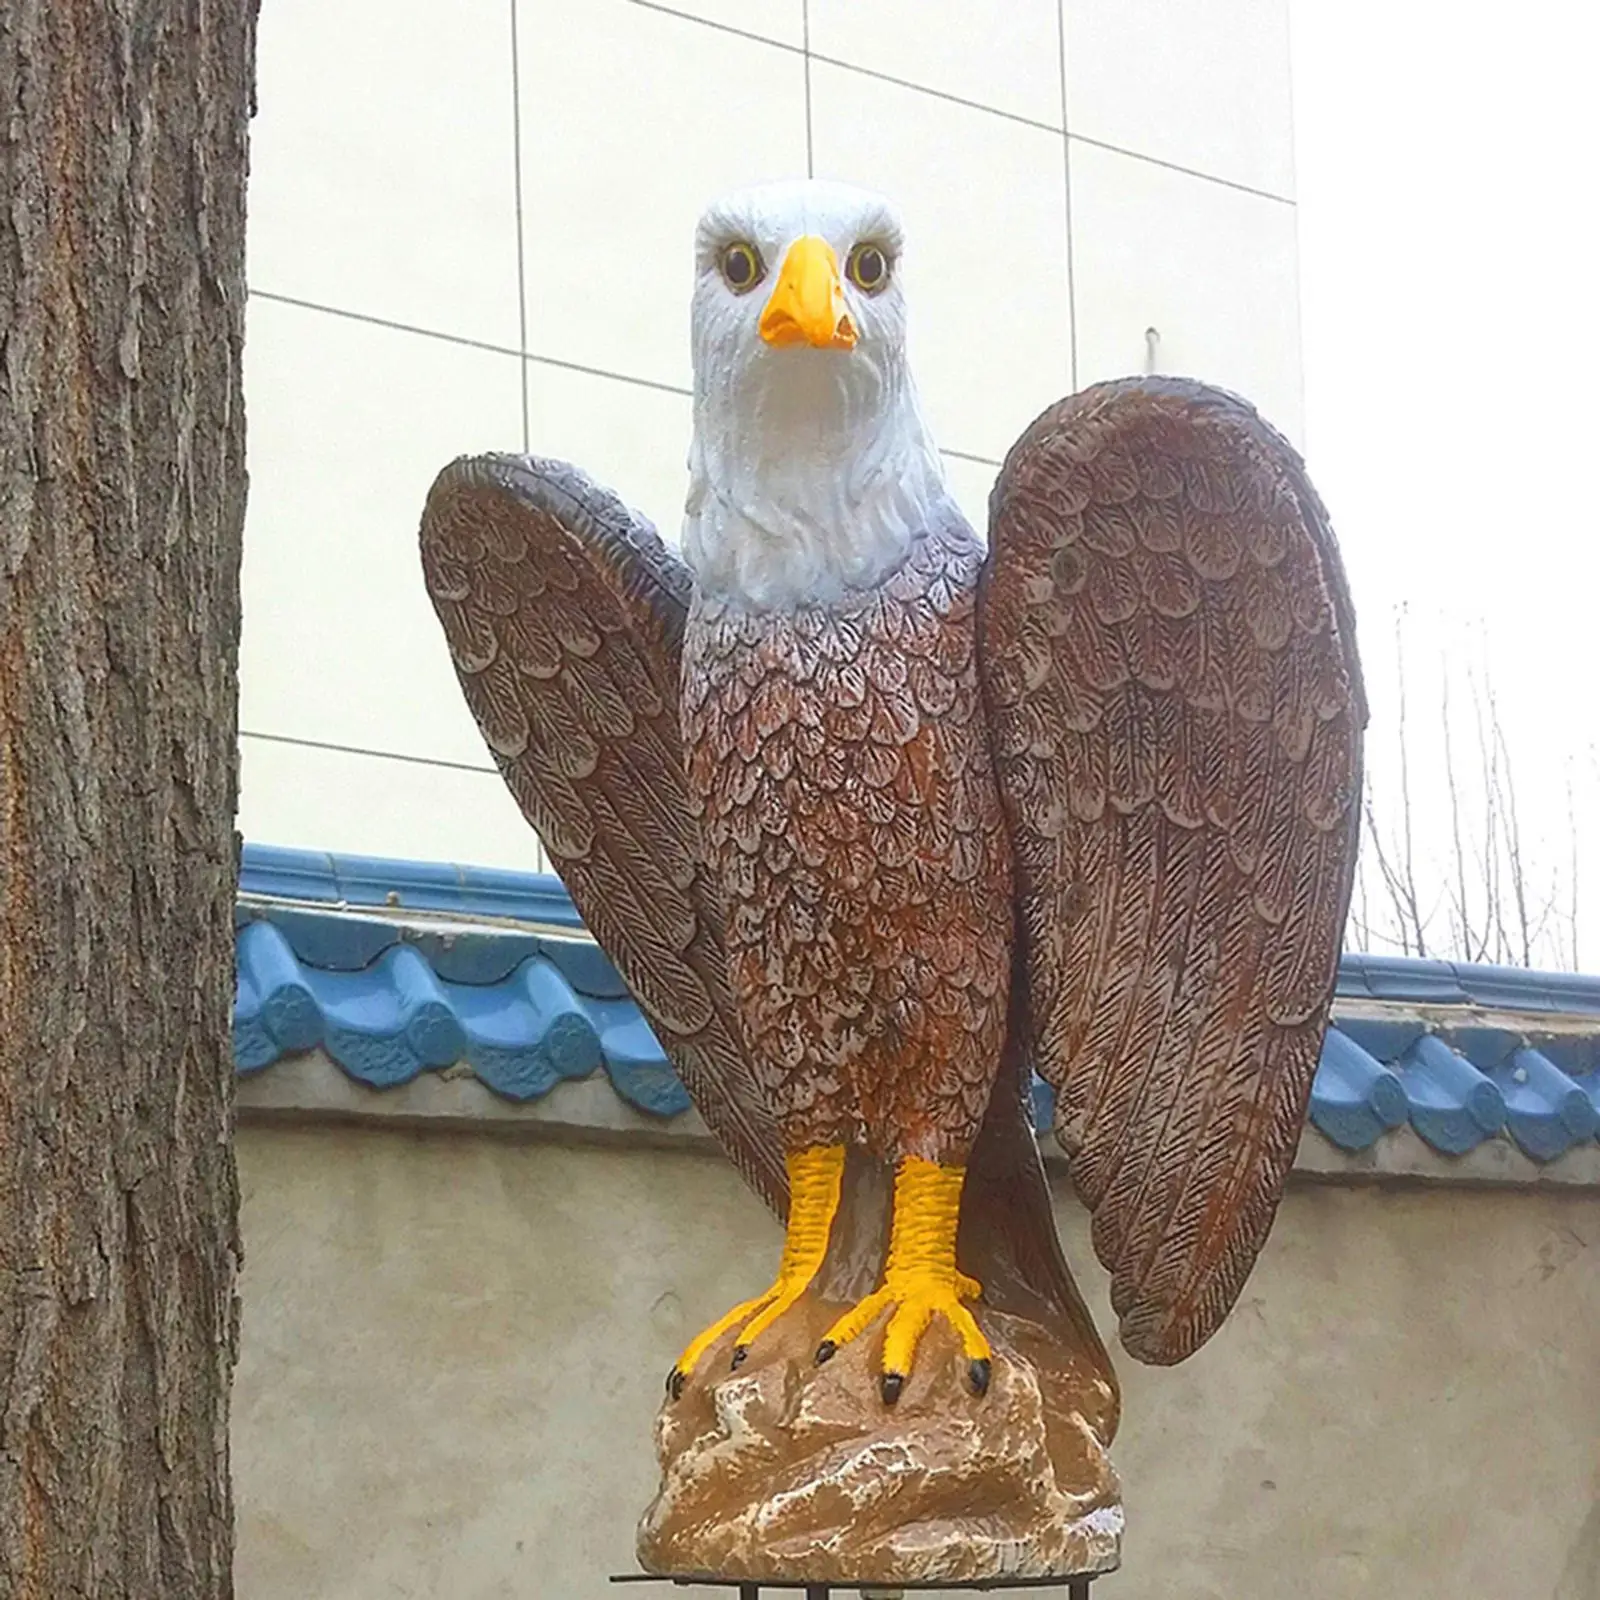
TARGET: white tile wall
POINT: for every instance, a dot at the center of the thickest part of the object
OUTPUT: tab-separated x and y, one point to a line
384	186
633	121
631	438
1201	83
1007	57
382	170
970	482
338	800
983	200
1211	268
782	20
349	424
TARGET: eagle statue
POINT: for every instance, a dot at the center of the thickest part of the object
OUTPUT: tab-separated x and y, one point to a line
877	820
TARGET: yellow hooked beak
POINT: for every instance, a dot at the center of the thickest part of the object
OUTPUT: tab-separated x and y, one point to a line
807	306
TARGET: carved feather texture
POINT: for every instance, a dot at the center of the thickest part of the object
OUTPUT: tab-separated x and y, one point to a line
564	614
1168	661
837	768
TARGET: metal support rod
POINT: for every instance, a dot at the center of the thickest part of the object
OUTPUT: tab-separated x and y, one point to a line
1077	1587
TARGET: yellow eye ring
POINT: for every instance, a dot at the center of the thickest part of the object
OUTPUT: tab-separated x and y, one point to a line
868	267
741	266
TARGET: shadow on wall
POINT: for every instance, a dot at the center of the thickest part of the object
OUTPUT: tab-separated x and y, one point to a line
1580	1578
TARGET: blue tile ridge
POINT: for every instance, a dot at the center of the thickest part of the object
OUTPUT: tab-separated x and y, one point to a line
273	872
388	1003
327	960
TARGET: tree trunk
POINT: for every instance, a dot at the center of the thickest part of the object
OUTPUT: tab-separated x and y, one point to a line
123	135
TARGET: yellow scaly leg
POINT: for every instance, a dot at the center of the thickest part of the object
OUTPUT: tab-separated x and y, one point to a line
814	1177
920	1280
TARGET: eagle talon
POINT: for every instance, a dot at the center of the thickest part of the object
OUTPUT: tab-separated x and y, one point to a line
920	1280
826	1351
814	1176
676	1378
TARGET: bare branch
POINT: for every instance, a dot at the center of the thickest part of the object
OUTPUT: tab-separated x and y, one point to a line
1450	864
1572	953
1464	935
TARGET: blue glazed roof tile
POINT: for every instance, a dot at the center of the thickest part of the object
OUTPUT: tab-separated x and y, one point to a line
391	1014
309	875
528	1032
1384	1038
1453	1105
275	1011
1520	989
1577	1055
1546	1111
637	1065
1357	1098
287	874
387	1023
525	1004
1394	978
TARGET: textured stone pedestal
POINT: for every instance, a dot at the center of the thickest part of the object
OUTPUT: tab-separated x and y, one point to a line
786	1470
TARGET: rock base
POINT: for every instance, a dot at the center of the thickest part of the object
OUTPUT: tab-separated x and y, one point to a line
786	1470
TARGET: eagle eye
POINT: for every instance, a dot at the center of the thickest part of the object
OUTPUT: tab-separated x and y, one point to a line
741	266
868	267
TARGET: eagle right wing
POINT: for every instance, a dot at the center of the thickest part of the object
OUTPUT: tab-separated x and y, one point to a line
564	614
1169	664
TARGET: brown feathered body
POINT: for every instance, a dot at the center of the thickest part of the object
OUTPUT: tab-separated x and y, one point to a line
849	814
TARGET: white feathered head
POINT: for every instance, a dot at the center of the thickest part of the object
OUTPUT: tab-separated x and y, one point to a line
811	469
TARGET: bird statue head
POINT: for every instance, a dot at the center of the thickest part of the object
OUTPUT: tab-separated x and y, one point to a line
811	469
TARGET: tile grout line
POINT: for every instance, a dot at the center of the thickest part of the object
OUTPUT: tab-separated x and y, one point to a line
805	35
385	322
358	750
618	378
522	253
630	378
1188	172
1066	194
468	344
717	27
961	100
932	93
848	66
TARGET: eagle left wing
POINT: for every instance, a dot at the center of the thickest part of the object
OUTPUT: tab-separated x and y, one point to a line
564	613
1175	705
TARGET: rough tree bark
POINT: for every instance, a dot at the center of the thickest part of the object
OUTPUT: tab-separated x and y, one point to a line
123	130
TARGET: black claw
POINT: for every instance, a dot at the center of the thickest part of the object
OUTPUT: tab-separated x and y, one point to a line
978	1373
740	1351
826	1351
675	1383
893	1383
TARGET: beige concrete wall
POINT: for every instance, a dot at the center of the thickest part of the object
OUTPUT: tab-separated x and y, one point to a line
454	1344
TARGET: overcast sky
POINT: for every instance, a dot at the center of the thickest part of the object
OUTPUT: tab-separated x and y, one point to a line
1448	186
